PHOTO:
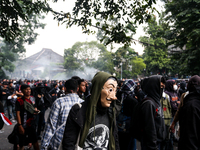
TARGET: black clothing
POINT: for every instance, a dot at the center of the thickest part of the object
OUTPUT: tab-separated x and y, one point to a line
26	117
152	121
182	88
173	95
1	120
189	120
75	123
140	95
28	137
53	91
98	135
5	96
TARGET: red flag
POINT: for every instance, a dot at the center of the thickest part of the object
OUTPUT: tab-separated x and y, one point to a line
5	119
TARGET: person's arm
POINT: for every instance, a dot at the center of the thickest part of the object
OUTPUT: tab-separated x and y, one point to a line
19	122
18	93
52	92
21	129
71	130
50	126
176	116
149	131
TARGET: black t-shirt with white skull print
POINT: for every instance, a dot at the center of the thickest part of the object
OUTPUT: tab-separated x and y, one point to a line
98	135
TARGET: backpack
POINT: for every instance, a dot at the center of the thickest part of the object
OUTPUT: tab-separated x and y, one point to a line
48	101
124	117
13	137
136	126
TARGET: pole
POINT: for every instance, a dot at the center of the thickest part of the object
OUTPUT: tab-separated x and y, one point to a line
121	70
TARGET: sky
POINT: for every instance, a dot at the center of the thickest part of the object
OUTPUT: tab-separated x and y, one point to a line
58	37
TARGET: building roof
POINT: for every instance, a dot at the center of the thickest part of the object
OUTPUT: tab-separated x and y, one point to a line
45	57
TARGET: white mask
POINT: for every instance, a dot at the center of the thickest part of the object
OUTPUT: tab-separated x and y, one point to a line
175	87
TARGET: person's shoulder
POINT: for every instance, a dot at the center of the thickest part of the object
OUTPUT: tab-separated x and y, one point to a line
165	95
76	107
148	102
20	100
72	96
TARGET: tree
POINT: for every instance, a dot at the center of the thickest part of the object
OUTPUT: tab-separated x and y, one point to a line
87	54
156	52
129	29
10	51
184	35
123	56
13	12
105	63
86	14
137	66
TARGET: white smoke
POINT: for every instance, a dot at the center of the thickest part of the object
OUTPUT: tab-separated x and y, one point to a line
88	73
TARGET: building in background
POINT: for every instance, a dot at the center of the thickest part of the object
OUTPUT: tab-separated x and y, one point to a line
42	65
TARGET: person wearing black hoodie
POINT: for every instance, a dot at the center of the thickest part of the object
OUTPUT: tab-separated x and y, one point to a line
95	121
152	121
170	89
182	89
189	117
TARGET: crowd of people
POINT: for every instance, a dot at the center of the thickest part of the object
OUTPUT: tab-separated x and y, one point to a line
104	113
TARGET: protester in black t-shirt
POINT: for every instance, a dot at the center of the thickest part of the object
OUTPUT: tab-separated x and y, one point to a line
25	118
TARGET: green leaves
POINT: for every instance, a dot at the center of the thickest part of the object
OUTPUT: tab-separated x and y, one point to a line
10	51
185	34
87	12
95	55
155	52
13	12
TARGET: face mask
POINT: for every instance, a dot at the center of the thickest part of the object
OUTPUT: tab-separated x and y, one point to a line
175	87
63	90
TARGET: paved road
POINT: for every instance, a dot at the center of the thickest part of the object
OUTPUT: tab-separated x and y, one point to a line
5	145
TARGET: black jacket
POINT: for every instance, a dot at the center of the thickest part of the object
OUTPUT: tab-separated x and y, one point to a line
74	125
1	111
189	120
152	121
4	96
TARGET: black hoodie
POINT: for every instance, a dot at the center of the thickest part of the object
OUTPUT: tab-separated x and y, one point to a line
182	88
189	117
151	113
173	95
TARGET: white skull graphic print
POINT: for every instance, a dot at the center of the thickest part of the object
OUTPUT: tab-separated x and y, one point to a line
97	138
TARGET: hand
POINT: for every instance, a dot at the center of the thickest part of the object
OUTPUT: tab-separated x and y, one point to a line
53	94
21	130
29	145
171	128
39	96
3	92
36	111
